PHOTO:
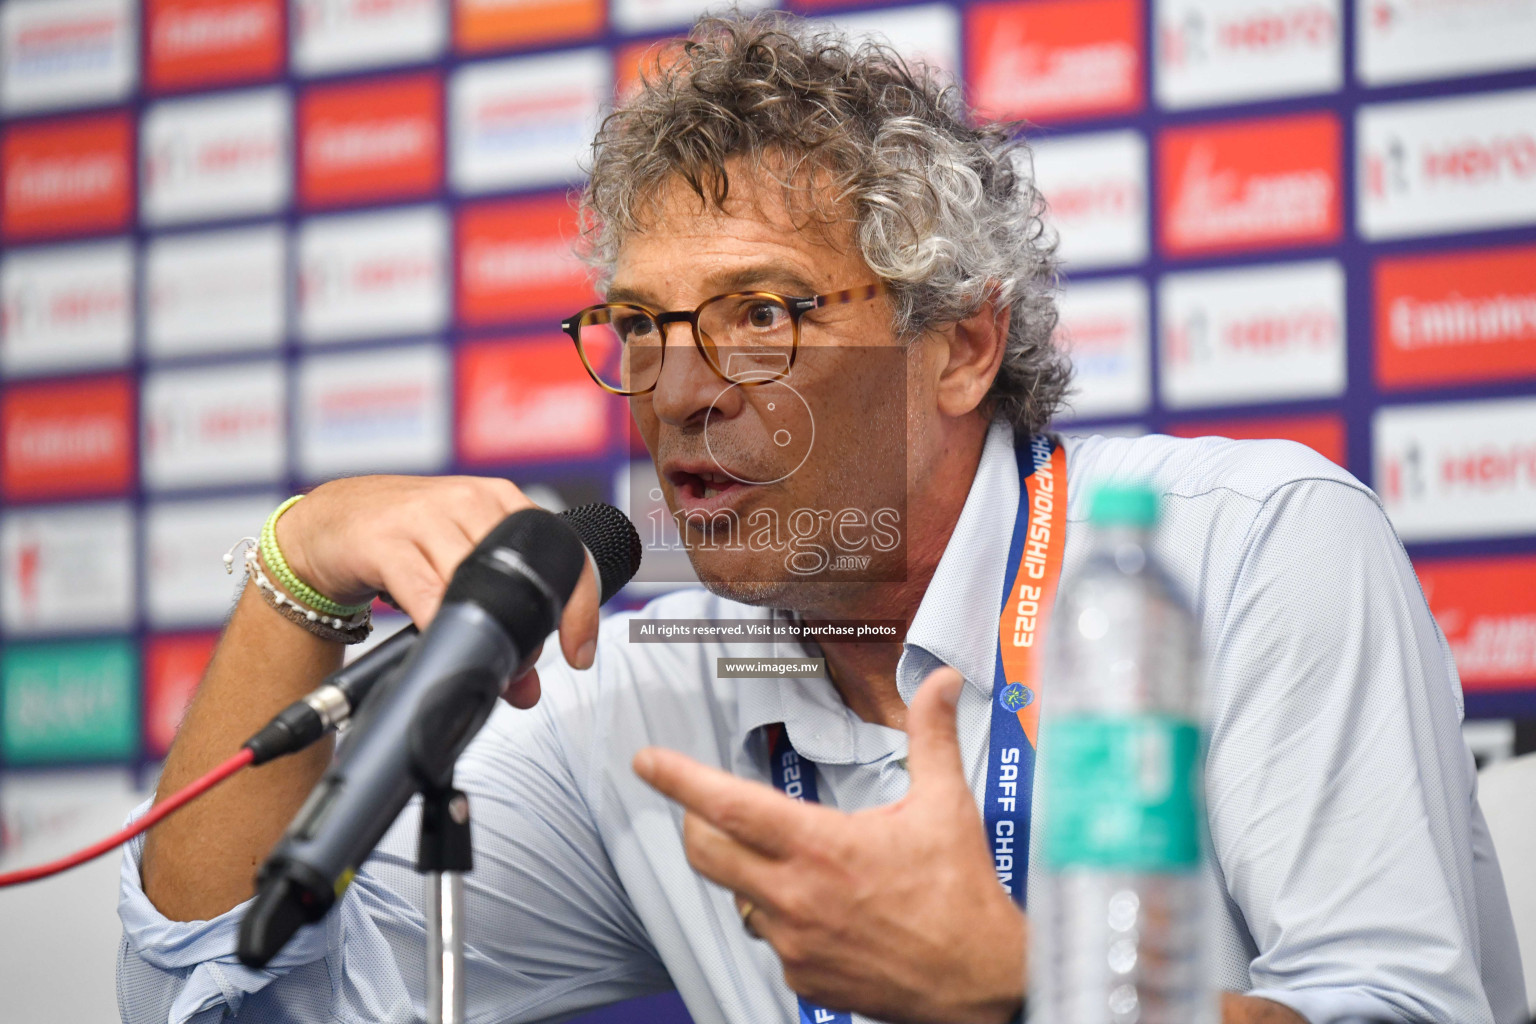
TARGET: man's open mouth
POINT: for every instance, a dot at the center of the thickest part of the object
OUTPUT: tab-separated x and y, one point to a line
701	486
706	490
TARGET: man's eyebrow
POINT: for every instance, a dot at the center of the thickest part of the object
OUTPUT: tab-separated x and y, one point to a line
775	277
762	277
639	298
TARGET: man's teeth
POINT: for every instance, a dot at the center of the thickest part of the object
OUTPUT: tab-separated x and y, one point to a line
707	479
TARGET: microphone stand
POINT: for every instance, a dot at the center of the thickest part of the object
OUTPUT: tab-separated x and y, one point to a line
443	854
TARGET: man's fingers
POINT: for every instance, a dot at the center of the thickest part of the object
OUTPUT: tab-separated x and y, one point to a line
508	495
754	814
416	587
578	623
720	858
477	511
933	748
444	545
524	691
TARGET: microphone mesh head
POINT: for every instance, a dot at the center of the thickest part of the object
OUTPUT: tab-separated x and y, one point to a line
612	539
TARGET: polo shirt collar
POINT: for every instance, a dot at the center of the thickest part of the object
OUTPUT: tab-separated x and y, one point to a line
956	623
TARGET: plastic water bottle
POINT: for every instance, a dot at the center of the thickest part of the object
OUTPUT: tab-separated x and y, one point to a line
1117	935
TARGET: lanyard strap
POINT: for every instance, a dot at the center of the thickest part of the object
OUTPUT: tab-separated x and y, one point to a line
795	777
1029	592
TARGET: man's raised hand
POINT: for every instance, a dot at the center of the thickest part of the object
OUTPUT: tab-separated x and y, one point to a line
894	912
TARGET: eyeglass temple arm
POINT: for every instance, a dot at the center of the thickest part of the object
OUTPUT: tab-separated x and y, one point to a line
859	294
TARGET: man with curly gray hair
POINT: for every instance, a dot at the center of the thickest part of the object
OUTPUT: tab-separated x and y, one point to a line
828	300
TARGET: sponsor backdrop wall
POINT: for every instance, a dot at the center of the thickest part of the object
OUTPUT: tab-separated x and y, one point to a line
250	244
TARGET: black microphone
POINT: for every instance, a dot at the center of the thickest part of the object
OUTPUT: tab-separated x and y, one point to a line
503	600
611	543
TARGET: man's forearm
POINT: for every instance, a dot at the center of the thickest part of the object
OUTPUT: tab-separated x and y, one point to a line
1236	1009
202	860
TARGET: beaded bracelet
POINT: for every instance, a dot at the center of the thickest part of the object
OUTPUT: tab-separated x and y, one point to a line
353	630
307	595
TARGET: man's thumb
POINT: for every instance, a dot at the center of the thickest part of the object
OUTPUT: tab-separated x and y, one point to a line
933	748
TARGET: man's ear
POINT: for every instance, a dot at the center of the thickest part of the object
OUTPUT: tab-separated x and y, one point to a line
976	347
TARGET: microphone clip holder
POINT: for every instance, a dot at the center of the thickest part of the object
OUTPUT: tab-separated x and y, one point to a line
443	854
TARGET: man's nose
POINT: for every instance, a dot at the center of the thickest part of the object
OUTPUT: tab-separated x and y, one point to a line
689	389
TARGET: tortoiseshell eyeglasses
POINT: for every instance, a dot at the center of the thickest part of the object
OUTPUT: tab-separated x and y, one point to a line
745	337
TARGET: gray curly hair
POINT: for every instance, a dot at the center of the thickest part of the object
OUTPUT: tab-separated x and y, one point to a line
945	212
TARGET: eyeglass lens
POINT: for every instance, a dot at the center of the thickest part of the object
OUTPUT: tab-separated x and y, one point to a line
745	337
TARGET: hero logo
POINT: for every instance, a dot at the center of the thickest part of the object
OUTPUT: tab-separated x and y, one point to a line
374	411
219	291
1104	325
1407	40
515	260
371	141
373	274
1458	469
65	177
1252	335
198	42
67	439
1057	59
67	569
528	400
184	541
206	427
1220	51
1458	164
1456	316
525	121
56	53
1251	184
216	157
1486	610
1095	188
66	307
332	35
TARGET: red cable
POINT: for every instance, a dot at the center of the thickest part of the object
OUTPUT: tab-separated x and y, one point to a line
165	807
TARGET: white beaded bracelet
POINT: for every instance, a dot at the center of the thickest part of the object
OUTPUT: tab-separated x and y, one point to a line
348	630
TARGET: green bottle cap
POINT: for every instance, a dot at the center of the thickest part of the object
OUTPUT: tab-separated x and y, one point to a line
1124	505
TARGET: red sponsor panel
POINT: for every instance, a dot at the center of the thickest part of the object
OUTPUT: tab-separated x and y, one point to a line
483	25
194	43
1487	609
66	177
67	439
371	140
1324	434
173	666
1056	60
1458	316
516	264
1249	185
529	399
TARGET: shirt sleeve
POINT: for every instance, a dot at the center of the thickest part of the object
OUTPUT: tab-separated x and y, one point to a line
1340	792
549	928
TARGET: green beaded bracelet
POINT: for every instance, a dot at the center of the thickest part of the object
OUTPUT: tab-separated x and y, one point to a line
297	588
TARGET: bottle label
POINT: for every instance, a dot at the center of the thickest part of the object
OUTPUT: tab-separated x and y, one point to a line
1122	792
